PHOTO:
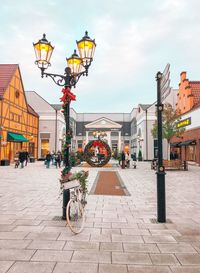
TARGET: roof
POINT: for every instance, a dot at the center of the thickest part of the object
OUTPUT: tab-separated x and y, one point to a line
145	106
30	95
56	106
32	111
195	90
6	73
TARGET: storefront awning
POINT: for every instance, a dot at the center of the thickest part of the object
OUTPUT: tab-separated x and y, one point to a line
13	137
188	142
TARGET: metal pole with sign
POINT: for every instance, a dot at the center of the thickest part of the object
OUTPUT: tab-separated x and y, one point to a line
163	86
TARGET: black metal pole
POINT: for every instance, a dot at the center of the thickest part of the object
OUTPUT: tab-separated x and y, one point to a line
161	206
66	193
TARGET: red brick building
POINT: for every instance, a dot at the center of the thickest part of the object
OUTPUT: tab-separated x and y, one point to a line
188	104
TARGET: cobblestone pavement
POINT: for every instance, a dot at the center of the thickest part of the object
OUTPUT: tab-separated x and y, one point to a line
119	236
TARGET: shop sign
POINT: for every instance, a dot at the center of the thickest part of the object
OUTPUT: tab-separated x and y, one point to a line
183	123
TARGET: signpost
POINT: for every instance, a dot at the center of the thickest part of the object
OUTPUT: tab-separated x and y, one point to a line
165	83
163	90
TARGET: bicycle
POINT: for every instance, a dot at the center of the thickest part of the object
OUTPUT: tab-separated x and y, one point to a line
75	210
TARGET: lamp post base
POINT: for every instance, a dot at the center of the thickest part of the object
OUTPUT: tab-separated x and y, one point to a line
161	206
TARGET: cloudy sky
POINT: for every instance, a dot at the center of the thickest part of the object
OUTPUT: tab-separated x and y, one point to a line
135	39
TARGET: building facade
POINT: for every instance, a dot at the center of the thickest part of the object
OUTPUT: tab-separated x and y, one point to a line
122	131
187	146
18	121
116	127
51	124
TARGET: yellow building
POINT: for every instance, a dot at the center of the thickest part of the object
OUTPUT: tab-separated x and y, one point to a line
18	121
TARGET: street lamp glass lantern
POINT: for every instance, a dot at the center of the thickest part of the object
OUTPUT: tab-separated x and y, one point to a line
74	62
43	52
86	47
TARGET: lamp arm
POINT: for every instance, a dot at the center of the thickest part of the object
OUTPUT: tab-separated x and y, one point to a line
68	80
58	79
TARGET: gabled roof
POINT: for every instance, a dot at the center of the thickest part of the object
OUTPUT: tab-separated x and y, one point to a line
145	106
195	90
32	111
103	123
37	102
6	73
57	106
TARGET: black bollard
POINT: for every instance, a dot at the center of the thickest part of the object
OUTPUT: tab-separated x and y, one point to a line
185	165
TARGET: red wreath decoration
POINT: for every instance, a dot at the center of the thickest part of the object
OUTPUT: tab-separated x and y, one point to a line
98	143
104	150
67	94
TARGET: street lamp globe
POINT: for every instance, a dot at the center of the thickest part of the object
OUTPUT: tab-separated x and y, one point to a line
74	62
43	52
86	47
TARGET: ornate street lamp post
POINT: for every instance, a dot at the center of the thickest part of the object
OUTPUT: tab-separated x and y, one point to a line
77	67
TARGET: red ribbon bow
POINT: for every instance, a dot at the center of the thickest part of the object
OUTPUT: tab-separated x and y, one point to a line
67	94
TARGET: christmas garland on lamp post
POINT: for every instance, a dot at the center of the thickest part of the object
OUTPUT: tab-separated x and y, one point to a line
67	97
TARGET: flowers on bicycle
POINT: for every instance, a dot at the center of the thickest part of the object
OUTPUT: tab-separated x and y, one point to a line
66	177
80	176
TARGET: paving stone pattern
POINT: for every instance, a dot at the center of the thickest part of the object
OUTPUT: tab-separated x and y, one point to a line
119	236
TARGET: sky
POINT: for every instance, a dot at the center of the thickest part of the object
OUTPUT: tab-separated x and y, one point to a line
135	39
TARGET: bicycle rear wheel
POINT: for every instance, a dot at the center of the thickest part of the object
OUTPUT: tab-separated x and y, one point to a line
75	215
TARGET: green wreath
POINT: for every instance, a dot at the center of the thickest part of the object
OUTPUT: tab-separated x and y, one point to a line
99	159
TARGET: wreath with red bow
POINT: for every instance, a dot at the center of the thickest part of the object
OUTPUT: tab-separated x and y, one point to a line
95	159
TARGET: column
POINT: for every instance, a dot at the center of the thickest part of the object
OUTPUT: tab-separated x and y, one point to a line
119	141
109	138
86	140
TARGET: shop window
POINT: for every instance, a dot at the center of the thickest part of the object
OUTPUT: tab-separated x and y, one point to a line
80	144
191	152
31	148
44	147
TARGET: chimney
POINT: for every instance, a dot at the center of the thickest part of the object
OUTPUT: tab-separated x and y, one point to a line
183	76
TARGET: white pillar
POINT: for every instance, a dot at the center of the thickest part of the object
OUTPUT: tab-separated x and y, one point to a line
109	138
119	141
86	140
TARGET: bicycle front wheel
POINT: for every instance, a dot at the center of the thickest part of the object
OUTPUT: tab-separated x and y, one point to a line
75	215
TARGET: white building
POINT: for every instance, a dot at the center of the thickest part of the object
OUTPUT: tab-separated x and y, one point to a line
51	124
123	131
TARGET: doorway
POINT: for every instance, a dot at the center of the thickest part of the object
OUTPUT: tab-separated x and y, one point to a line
44	147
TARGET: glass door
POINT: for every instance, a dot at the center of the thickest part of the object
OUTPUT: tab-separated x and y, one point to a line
44	147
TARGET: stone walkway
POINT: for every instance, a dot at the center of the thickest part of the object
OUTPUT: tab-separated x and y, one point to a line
119	237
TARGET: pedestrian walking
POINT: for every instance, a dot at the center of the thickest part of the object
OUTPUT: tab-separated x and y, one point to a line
16	159
26	154
48	160
123	160
127	159
52	157
58	159
21	158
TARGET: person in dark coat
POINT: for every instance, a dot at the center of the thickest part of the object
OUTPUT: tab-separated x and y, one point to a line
22	158
16	159
123	160
48	160
26	154
58	159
